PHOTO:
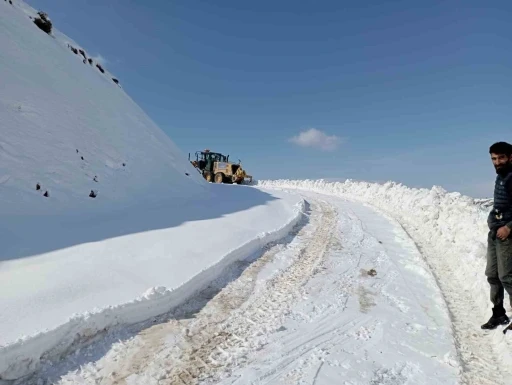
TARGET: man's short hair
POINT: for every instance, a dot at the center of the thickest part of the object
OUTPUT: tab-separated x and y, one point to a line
501	148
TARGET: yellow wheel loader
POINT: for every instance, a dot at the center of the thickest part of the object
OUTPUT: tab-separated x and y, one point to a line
216	167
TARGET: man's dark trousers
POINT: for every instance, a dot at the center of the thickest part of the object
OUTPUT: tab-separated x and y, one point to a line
499	270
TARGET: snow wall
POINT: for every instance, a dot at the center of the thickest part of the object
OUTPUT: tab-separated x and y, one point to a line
25	356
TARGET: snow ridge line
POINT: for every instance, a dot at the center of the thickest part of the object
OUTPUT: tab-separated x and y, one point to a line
25	356
451	231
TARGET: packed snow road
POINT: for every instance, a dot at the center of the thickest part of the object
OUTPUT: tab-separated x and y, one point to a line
347	299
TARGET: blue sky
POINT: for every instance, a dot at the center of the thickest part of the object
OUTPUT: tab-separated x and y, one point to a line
410	91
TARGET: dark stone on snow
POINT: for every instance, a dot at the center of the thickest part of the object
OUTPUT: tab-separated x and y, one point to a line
43	22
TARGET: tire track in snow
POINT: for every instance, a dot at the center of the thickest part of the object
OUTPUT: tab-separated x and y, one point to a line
214	347
303	362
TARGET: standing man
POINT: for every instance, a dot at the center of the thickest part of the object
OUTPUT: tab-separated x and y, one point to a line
499	241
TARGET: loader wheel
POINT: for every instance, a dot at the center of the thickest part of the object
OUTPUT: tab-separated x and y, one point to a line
208	176
219	177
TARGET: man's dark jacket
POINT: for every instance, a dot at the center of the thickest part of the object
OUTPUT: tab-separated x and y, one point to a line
501	214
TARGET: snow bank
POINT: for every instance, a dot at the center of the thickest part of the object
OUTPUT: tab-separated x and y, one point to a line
190	267
444	224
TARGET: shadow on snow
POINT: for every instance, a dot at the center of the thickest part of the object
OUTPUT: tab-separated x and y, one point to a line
25	236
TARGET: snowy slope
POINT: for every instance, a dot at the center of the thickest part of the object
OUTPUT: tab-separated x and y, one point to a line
55	110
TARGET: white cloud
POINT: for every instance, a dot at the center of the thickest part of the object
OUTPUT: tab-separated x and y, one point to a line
317	139
100	59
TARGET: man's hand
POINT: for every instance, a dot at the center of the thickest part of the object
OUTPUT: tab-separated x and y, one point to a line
503	233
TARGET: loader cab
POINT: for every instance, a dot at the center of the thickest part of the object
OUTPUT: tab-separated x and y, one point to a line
206	160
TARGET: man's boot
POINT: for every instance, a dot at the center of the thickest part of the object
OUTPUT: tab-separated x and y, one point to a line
498	318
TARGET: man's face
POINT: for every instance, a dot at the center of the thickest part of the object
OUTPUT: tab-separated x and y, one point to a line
501	161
